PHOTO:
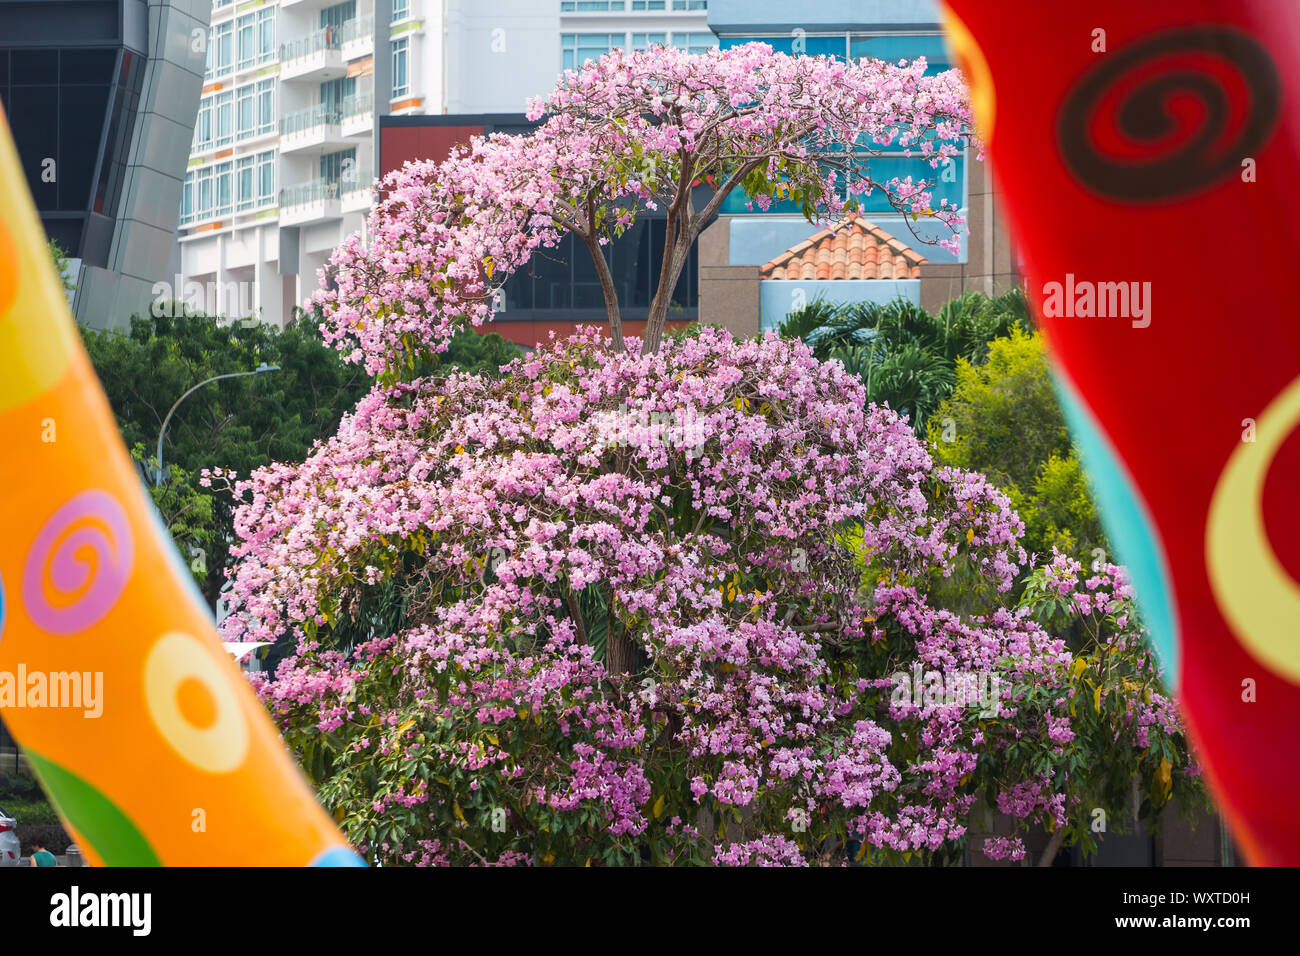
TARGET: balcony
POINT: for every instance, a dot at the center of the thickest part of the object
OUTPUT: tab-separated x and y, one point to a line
357	194
313	201
358	114
316	56
358	37
315	127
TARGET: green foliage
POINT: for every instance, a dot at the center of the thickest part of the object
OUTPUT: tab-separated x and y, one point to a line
60	257
1129	755
1003	419
907	357
236	424
22	797
186	510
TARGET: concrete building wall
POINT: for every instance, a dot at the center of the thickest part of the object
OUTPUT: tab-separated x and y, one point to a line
140	253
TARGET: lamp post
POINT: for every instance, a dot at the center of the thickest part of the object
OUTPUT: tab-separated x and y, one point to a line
216	378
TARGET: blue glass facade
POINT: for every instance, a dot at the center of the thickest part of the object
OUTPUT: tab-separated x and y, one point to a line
893	31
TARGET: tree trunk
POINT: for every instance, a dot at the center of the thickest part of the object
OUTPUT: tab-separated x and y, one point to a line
607	288
620	652
674	261
1053	847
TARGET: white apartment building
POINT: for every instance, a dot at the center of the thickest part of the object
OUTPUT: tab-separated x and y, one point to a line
285	143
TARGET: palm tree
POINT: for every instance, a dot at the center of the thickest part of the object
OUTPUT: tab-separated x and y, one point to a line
905	356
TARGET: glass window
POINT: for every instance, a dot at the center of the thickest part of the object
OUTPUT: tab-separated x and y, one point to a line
266	177
690	4
245	111
246	40
203	126
244	183
220	49
221	176
334	17
187	199
401	10
203	193
902	47
265	106
601	6
401	67
695	42
266	35
223	126
332	164
647	4
578	48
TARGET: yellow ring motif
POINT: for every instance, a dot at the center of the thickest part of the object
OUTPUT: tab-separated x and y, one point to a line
1258	598
174	660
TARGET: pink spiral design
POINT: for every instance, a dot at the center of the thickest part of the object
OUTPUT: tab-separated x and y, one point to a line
90	521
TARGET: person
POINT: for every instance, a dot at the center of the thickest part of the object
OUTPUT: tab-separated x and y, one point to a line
42	856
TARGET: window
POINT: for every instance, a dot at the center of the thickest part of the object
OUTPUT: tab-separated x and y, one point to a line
578	48
647	4
334	17
334	92
246	41
220	48
245	111
244	197
203	126
255	38
644	41
203	194
221	176
266	177
401	67
599	6
207	193
266	106
690	4
695	42
401	10
335	167
223	118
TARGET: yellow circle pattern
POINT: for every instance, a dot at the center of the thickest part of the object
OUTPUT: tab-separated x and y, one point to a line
176	663
1258	598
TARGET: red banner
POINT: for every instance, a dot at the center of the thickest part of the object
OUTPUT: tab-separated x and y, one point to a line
1147	155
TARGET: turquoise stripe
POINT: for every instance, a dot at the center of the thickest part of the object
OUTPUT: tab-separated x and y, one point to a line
1129	526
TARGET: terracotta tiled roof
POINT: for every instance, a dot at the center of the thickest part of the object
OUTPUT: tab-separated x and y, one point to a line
853	248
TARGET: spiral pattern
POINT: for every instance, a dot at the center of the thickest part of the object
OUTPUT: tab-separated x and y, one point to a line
1169	115
86	586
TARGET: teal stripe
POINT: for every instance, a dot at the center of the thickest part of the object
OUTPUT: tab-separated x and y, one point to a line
1128	523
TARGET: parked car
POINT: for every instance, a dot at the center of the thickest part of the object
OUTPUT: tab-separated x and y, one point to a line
10	847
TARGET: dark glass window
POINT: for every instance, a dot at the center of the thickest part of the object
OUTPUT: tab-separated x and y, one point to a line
34	68
564	278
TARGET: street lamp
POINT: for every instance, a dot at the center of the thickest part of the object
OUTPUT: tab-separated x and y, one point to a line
216	378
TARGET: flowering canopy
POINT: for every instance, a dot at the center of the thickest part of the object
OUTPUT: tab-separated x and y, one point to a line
630	132
765	541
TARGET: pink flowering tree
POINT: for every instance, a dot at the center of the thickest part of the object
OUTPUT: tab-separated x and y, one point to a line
665	601
629	133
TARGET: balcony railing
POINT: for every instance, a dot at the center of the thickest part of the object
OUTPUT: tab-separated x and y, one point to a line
358	104
358	28
326	39
302	120
315	190
364	179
